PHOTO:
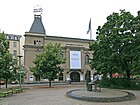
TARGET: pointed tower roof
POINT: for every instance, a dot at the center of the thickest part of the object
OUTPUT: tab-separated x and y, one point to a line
37	26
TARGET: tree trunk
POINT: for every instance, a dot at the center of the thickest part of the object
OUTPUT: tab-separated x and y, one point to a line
104	76
128	74
37	77
49	83
0	83
128	71
6	80
110	74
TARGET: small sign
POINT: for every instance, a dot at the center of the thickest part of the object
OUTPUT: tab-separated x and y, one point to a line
38	10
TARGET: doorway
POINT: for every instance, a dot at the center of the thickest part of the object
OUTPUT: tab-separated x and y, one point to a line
61	77
75	77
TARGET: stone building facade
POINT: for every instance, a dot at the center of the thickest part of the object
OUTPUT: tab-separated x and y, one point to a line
14	44
75	51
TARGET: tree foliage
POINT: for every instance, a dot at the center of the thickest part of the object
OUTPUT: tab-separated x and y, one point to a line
7	62
117	46
48	63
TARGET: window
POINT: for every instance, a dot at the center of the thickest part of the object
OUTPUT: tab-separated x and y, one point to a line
7	37
15	37
34	42
14	53
37	42
86	59
14	44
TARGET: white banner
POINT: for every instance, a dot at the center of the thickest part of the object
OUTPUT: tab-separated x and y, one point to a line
75	59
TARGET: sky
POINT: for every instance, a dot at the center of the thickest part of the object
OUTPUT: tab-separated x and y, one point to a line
66	18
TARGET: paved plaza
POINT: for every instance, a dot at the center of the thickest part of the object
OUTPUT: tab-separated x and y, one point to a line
43	95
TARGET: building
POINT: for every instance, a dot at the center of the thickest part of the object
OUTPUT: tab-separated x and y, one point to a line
73	48
14	44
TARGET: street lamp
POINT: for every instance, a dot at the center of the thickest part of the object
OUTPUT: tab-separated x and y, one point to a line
20	69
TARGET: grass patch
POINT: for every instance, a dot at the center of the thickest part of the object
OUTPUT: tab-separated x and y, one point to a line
10	91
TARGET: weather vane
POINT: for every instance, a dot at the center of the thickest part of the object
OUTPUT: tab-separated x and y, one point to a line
38	10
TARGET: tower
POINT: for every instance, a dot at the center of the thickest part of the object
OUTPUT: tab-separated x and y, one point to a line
34	41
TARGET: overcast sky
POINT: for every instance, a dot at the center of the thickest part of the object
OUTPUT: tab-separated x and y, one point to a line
67	18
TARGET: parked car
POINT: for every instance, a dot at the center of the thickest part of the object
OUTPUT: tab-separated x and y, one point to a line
14	82
1	82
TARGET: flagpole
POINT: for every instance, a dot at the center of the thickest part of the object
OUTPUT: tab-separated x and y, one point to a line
90	34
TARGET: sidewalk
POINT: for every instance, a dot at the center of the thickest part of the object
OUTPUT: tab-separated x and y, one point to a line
43	95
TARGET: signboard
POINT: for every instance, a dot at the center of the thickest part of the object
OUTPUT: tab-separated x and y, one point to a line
75	59
38	10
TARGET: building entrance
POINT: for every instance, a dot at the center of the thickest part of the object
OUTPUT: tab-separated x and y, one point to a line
75	77
61	77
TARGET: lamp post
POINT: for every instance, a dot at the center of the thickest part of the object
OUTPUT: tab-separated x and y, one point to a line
20	69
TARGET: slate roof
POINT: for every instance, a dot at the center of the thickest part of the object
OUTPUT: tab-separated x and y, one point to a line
37	26
13	37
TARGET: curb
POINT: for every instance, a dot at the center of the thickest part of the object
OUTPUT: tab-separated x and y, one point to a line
128	97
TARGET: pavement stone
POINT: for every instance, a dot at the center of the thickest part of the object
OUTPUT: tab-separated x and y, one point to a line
43	95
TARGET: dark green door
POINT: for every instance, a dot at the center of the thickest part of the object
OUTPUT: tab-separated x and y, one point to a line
75	77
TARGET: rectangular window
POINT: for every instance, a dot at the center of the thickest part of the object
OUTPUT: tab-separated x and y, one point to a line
14	53
86	59
14	44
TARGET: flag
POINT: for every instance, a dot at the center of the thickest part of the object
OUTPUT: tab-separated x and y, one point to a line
89	27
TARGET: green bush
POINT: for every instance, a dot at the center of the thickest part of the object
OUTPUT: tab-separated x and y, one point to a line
120	83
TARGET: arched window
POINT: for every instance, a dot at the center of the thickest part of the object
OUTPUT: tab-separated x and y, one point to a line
34	42
7	37
15	37
86	59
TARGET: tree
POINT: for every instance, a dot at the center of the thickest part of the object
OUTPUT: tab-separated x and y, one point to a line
136	29
7	62
16	76
115	45
48	63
